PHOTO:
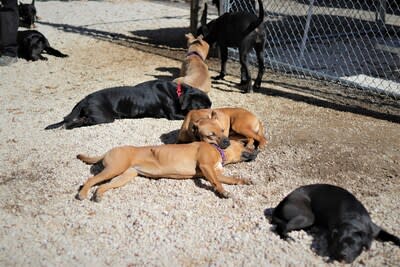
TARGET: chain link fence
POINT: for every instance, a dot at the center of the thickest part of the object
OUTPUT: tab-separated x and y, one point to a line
353	42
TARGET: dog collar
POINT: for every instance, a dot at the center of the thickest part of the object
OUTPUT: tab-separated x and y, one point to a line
194	53
179	89
221	152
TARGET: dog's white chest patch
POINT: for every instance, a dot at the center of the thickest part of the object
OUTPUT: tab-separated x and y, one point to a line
219	166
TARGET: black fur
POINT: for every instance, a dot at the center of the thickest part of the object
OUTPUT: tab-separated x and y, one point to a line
31	45
348	223
155	99
243	30
27	14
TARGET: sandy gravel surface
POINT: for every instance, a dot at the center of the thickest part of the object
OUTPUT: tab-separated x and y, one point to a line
167	222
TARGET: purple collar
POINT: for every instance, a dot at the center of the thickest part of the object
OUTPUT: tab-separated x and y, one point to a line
221	152
194	53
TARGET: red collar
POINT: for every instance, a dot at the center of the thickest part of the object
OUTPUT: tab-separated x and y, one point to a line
179	89
194	53
221	152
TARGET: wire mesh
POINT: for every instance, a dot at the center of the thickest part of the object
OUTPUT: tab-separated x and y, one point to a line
353	42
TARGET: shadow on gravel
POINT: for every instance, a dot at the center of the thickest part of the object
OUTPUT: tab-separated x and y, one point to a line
166	37
350	100
170	43
172	73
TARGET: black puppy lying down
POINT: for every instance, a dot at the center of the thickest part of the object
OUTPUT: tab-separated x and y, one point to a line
31	45
155	99
348	223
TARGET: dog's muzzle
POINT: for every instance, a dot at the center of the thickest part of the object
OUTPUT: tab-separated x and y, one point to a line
249	155
224	143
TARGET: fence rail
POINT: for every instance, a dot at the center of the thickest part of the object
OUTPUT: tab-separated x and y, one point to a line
353	42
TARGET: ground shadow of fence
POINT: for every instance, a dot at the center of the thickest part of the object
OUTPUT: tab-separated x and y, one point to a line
171	38
173	47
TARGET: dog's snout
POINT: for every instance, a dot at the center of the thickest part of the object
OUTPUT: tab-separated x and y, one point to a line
249	156
225	143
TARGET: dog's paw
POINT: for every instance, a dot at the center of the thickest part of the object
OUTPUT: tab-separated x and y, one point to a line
224	194
246	181
256	85
96	198
219	77
246	86
80	196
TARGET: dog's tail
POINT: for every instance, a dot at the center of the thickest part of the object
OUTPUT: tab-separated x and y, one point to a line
55	125
74	115
90	160
384	236
54	52
259	20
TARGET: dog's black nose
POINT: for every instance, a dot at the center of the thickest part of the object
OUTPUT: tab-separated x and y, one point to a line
249	156
225	143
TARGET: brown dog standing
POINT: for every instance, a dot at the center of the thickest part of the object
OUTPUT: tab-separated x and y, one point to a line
217	126
184	161
194	71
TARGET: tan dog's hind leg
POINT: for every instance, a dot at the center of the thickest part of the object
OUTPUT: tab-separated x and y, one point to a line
251	136
106	174
211	175
116	182
262	141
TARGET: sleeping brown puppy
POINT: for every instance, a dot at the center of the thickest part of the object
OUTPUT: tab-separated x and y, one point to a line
217	126
184	161
194	70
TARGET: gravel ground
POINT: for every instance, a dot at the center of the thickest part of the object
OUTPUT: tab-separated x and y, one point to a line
171	223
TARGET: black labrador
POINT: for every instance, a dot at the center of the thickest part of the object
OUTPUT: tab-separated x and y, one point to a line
350	228
27	14
31	45
155	99
243	30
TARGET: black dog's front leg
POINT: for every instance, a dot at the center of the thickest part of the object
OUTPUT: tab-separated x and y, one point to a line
224	58
259	47
245	78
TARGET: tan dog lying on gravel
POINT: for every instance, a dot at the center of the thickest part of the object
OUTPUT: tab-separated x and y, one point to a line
184	161
217	126
194	71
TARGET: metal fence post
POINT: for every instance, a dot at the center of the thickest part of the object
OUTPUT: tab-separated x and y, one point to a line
306	29
380	15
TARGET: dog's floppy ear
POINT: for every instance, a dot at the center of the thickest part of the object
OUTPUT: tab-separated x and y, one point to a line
194	128
184	101
334	234
214	115
194	99
189	36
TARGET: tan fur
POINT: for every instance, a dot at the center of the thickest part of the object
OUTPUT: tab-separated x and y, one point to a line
213	125
194	70
184	161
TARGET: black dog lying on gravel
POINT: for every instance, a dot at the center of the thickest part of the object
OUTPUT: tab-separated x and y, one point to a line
155	99
348	223
243	30
31	45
